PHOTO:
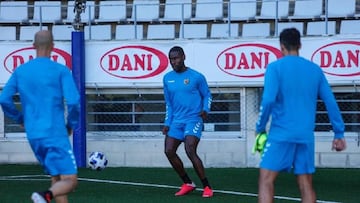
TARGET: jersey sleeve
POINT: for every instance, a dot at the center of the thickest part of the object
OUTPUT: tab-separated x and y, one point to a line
72	99
326	94
6	100
271	88
205	93
168	107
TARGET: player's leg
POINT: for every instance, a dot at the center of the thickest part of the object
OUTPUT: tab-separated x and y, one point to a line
171	146
266	186
62	185
191	144
306	188
304	167
277	156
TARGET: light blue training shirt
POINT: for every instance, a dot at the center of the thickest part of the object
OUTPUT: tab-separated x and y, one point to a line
292	87
186	95
43	85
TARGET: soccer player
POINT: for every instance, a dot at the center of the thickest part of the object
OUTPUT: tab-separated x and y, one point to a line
188	100
43	86
291	89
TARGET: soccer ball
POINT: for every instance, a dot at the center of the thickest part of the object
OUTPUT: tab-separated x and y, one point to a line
97	161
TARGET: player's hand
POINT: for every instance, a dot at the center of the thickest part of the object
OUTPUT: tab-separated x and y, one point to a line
203	115
165	130
338	144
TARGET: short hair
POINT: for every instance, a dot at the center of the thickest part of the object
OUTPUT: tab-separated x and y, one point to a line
290	38
177	49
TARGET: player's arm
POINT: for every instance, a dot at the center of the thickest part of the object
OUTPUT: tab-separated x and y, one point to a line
7	102
168	111
326	94
271	88
206	96
72	99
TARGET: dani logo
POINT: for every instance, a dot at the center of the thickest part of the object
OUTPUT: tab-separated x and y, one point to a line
18	57
134	62
247	60
339	58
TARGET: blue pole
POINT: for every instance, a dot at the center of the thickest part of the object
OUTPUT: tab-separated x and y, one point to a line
78	70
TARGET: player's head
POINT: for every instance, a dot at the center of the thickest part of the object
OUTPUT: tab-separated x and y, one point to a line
290	40
177	58
43	42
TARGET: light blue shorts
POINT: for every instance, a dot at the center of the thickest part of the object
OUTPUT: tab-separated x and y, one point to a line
55	155
180	130
286	156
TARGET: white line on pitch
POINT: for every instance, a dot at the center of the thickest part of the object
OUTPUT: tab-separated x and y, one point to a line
32	177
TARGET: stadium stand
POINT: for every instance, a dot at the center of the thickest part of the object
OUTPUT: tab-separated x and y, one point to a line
62	32
14	12
8	33
318	28
256	30
193	31
97	32
212	17
127	32
350	27
340	9
145	11
27	32
274	10
247	8
224	30
87	17
162	31
111	11
302	10
47	12
177	10
208	10
297	25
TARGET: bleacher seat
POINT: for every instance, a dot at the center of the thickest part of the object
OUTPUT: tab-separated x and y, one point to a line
111	11
47	12
256	30
298	25
8	33
87	17
145	10
177	10
350	27
307	9
270	7
127	32
241	10
62	32
162	31
97	32
224	30
318	28
206	10
14	12
341	9
28	32
193	31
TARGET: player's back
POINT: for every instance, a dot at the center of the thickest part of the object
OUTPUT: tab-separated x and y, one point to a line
40	86
298	83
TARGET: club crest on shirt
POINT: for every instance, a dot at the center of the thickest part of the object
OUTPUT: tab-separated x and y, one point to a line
186	81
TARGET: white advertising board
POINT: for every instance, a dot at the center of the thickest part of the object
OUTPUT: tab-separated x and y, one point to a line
223	62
